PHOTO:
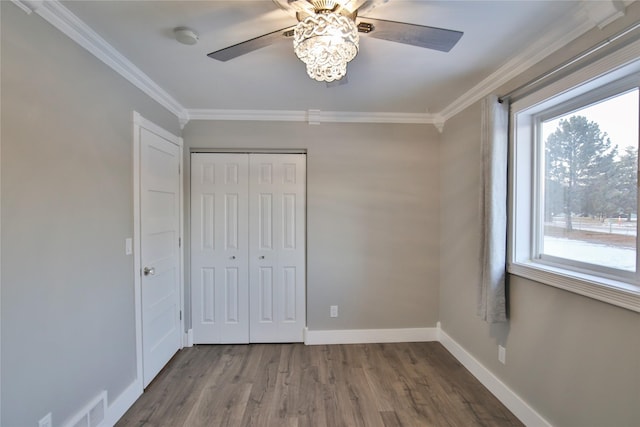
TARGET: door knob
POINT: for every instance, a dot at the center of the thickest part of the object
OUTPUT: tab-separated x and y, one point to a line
261	257
233	257
149	271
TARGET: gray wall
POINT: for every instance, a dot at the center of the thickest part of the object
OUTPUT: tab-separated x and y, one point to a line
67	286
377	202
372	216
573	359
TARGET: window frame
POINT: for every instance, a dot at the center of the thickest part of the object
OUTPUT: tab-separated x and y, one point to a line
599	80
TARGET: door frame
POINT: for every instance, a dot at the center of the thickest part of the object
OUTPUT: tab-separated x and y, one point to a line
140	123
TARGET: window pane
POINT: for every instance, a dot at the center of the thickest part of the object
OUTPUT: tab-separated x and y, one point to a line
590	202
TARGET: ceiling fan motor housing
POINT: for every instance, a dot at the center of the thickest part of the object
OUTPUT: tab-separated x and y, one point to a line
317	7
324	4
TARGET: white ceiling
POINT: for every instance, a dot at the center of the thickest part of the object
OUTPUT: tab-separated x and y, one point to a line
500	38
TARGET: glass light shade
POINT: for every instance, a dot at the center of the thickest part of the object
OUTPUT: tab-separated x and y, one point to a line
326	42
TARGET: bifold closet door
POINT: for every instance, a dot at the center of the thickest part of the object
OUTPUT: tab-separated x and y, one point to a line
248	247
219	248
277	247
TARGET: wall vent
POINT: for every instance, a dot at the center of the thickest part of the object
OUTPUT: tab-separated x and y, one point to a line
92	415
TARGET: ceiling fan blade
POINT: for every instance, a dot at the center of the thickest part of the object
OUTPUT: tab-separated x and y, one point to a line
412	34
250	45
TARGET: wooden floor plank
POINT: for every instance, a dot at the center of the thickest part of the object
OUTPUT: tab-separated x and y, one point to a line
387	385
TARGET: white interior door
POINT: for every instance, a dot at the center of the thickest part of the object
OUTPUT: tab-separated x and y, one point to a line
159	251
277	247
219	248
247	247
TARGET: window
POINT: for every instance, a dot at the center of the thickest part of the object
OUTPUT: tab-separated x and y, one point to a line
588	184
574	183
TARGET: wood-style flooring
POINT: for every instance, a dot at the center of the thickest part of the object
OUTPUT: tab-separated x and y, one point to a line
406	384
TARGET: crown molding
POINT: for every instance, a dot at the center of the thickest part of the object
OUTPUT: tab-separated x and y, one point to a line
27	6
602	13
248	115
586	16
311	116
379	117
61	18
583	19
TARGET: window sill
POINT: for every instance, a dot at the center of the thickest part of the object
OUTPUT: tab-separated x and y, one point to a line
614	292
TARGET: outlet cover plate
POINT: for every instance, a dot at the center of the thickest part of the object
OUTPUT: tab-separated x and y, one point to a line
502	354
333	311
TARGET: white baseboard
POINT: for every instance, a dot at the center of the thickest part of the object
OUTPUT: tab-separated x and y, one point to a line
363	336
122	403
187	339
511	400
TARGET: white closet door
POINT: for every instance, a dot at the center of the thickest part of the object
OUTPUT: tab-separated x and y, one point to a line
219	248
277	247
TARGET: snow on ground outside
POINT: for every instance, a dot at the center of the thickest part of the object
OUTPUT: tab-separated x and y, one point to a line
593	253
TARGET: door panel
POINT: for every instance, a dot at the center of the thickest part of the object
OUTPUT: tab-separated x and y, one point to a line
159	254
219	248
232	295
265	223
265	294
277	251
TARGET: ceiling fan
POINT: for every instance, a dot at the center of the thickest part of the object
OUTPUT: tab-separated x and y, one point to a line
326	37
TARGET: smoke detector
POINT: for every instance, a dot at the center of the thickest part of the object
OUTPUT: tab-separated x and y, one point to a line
185	35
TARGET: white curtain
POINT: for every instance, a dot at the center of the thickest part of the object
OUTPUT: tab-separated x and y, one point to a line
494	140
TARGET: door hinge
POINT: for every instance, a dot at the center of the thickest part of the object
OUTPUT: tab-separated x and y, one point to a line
179	242
178	168
180	314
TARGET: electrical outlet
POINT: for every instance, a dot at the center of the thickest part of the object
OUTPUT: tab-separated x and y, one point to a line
45	421
333	311
502	354
128	246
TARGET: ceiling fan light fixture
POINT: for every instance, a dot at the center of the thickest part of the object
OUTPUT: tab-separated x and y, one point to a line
326	42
